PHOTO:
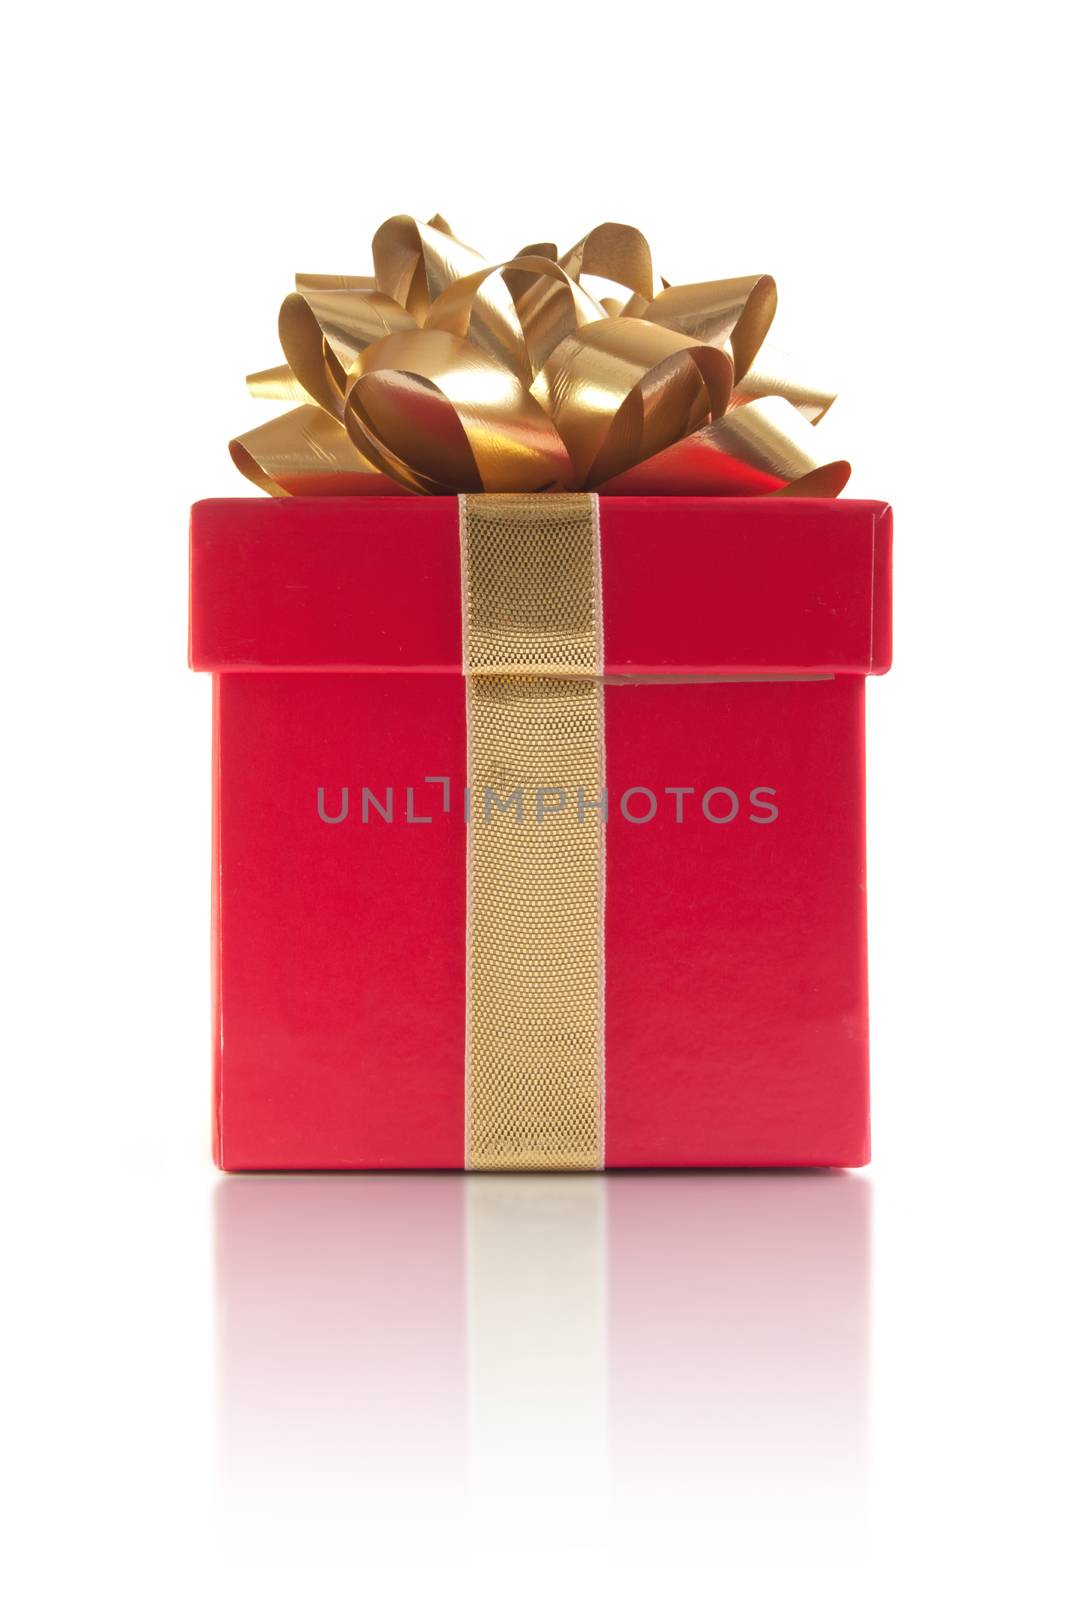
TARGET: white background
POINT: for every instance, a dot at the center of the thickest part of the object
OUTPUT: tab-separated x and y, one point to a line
853	1384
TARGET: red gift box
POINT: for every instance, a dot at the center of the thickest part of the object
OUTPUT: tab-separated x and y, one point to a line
737	634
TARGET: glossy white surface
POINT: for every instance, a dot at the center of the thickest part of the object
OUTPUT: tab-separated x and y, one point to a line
865	1384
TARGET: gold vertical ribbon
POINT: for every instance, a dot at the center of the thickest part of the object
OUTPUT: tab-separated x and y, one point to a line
533	662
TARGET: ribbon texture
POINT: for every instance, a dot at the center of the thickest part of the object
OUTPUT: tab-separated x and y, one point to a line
533	664
444	374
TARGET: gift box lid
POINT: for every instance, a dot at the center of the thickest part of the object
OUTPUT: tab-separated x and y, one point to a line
691	586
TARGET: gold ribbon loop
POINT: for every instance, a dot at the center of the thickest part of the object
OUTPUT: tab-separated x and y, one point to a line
621	389
519	283
445	373
750	450
303	452
277	383
540	324
739	310
324	330
435	412
415	261
303	281
771	434
614	251
775	372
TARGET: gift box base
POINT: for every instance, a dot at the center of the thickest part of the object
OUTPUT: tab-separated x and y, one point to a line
735	1013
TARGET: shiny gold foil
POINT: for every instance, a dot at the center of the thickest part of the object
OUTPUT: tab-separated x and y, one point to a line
533	666
443	373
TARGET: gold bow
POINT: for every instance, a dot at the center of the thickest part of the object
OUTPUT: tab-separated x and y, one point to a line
443	374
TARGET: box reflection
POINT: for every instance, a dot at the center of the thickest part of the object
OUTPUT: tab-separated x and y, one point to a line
341	1333
738	1341
458	1344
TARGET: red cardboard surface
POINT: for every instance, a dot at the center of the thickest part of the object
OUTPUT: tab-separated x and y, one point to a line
736	1007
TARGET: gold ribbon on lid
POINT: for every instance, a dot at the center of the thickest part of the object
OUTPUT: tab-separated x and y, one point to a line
446	374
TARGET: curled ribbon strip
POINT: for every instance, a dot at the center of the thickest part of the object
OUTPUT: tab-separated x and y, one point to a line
445	374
